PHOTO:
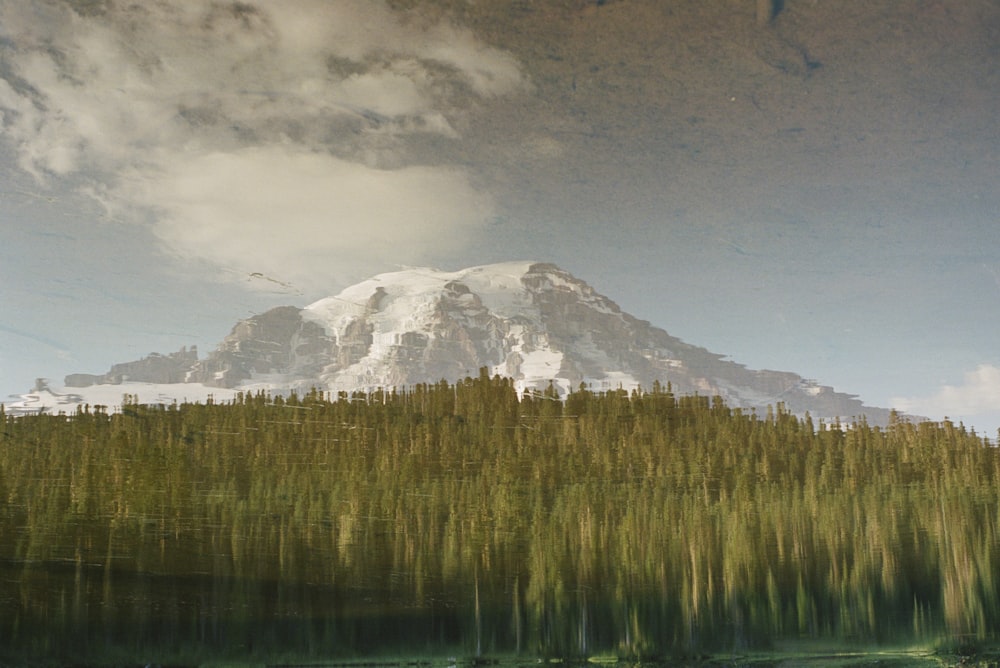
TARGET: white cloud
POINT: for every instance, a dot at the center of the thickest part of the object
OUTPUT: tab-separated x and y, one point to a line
309	217
976	400
272	120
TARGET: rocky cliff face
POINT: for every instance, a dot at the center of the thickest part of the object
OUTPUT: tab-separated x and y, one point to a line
154	368
277	343
532	322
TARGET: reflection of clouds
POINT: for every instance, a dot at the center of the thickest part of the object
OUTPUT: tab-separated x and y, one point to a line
307	216
151	99
979	393
61	349
993	272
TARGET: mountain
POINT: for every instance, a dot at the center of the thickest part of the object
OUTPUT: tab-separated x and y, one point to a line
530	321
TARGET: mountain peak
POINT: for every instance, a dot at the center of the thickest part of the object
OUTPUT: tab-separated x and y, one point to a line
530	321
503	277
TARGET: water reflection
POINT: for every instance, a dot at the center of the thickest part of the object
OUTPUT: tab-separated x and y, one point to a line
393	528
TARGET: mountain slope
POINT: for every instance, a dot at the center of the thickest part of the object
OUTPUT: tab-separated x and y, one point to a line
530	321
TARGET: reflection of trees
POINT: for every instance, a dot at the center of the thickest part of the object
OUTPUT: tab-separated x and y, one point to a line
462	519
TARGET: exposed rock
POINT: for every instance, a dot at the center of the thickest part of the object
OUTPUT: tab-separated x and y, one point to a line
532	322
275	342
154	368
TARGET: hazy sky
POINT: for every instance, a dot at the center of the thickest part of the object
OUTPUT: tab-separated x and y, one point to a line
817	195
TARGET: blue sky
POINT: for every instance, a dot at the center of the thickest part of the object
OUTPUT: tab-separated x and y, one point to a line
817	196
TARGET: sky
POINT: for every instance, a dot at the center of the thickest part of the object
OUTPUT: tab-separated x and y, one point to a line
815	194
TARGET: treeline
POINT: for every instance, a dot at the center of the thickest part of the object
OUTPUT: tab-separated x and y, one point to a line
467	516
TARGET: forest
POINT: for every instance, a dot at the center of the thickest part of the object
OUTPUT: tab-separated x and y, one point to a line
464	519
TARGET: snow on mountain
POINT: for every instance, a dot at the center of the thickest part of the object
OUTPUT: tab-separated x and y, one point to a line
55	400
529	321
423	325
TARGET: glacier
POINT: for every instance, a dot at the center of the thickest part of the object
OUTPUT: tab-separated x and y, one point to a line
530	321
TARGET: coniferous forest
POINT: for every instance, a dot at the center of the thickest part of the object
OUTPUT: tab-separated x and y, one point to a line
465	520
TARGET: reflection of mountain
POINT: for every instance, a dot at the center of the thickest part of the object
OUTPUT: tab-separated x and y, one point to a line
154	368
532	322
455	523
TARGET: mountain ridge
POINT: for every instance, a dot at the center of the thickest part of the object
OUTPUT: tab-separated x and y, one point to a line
530	321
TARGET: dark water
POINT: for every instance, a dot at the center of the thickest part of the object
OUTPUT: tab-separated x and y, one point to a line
81	613
578	576
199	536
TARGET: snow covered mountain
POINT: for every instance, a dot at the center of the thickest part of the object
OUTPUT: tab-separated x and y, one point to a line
530	321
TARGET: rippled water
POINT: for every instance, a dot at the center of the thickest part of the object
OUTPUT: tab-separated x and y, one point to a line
198	536
183	590
79	612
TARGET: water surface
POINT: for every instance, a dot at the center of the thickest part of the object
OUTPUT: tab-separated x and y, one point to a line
464	522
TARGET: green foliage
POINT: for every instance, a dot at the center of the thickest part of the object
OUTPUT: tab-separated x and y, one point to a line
638	524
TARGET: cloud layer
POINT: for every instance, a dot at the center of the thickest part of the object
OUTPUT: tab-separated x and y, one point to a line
261	135
300	214
978	395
